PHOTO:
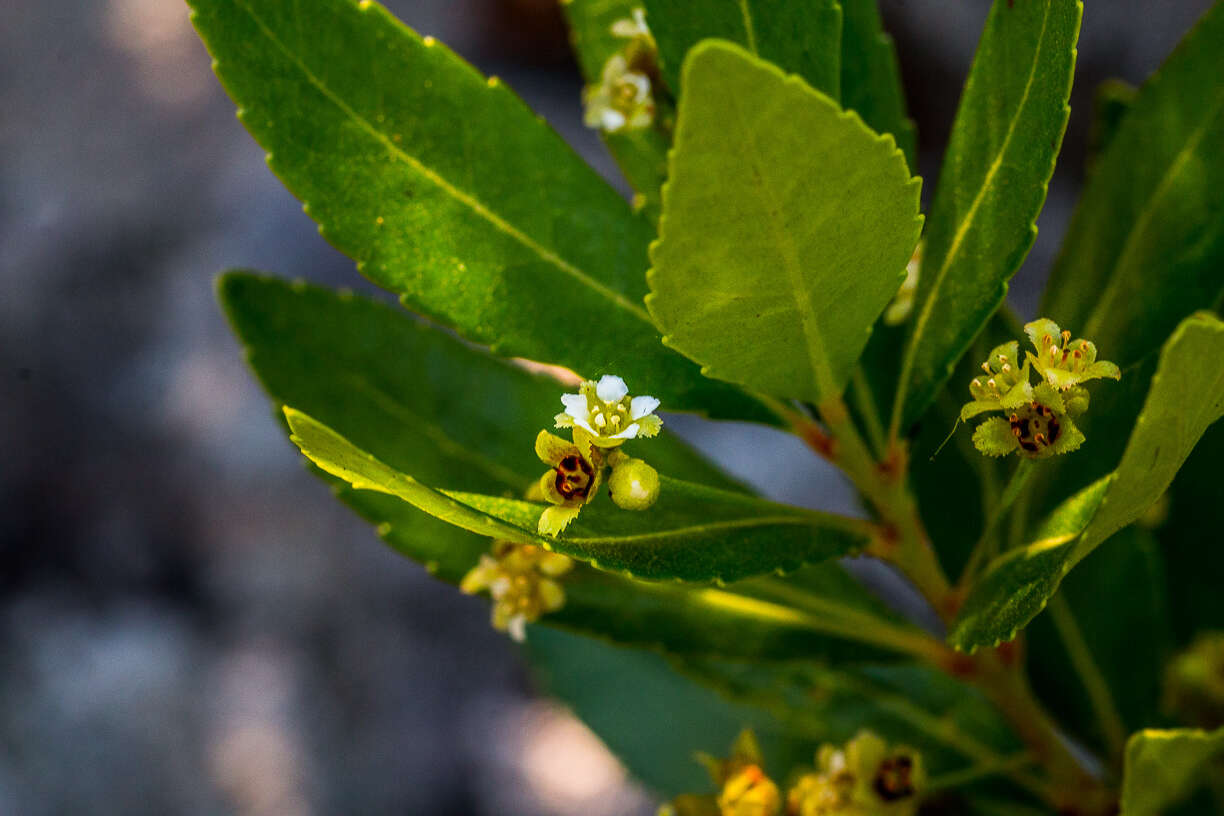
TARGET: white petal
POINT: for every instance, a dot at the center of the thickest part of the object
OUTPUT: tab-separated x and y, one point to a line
628	433
641	406
611	388
641	83
613	120
624	28
518	628
576	406
585	424
613	69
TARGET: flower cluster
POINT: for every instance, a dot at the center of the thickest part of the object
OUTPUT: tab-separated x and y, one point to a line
865	777
602	417
1038	419
623	98
519	577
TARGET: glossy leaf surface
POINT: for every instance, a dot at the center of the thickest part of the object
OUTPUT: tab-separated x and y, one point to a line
1186	396
993	183
801	36
767	273
448	190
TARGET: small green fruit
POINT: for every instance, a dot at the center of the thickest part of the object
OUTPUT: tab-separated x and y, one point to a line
634	485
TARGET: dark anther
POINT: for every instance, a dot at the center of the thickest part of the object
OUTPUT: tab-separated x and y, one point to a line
894	780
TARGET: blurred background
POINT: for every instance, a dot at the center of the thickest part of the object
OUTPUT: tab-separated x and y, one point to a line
188	622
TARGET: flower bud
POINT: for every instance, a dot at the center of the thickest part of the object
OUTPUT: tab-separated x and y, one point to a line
634	485
749	792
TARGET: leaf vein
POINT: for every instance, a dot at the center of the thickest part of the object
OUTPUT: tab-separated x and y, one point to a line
471	202
962	229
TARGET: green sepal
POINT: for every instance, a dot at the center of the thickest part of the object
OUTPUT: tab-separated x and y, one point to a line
994	437
556	518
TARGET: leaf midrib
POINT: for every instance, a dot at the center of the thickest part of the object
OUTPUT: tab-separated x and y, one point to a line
694	529
1150	208
822	375
472	203
958	238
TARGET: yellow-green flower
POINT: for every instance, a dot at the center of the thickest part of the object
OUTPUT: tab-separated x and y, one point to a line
621	101
573	480
865	777
1064	362
605	411
633	27
519	577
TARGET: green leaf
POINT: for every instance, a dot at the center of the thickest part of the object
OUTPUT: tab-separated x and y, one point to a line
950	723
1190	539
1154	203
1186	396
1113	100
786	224
692	533
447	189
818	612
871	77
999	160
652	717
641	154
425	401
1162	767
801	36
1127	644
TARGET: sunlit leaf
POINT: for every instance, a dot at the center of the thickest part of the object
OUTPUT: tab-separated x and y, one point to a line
767	272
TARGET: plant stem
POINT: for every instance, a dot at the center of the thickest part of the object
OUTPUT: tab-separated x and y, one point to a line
985	550
1072	788
861	390
989	767
1099	695
884	485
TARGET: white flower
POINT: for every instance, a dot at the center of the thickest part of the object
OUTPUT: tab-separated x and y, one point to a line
621	101
606	412
630	28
